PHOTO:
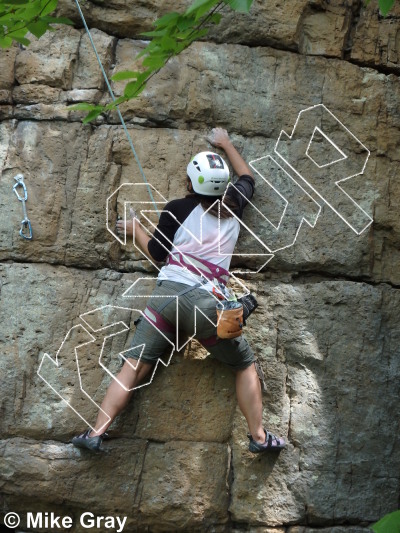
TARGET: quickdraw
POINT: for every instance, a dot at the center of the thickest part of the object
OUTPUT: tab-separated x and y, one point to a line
26	227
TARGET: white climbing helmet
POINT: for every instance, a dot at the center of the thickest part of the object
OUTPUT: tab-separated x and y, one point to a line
208	173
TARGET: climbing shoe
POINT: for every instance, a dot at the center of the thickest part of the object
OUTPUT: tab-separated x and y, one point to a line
271	444
91	443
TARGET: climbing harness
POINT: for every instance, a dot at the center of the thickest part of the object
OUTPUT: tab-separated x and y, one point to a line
199	266
117	108
26	227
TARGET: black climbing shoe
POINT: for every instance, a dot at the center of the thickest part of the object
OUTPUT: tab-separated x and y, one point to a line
91	443
271	444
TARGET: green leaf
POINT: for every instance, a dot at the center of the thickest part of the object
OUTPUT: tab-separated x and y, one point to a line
141	54
113	105
185	23
155	33
83	106
201	6
166	20
385	6
243	6
17	17
215	18
17	2
5	42
125	75
7	18
28	13
155	62
37	28
181	47
22	40
388	524
152	47
198	35
118	101
183	35
92	115
141	89
131	88
204	10
168	43
21	31
49	7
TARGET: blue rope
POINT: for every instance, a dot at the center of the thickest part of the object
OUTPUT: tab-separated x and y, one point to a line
118	111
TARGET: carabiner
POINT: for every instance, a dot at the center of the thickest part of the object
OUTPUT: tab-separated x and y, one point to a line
26	223
20	183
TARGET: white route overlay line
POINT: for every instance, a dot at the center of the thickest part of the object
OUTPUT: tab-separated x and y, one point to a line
344	156
93	339
273	251
337	183
187	258
163	201
126	328
55	362
200	240
177	345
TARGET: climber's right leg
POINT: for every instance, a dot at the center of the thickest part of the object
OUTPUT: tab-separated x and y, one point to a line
119	393
150	342
117	396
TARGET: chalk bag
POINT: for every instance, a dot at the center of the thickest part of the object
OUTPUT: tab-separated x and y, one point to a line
230	319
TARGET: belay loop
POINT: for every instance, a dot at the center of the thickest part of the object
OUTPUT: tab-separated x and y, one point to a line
26	227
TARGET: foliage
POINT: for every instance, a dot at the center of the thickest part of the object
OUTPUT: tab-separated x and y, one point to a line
18	17
172	34
388	524
384	6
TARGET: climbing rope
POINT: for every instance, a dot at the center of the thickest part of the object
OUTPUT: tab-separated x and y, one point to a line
118	111
26	227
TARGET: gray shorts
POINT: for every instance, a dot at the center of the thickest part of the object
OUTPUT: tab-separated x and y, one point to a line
149	344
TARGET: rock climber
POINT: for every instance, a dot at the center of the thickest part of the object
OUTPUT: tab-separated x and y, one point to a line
192	270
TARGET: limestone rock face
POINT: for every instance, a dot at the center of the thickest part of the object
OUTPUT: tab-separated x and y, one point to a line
326	397
323	392
49	62
376	39
157	475
181	94
309	26
309	91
